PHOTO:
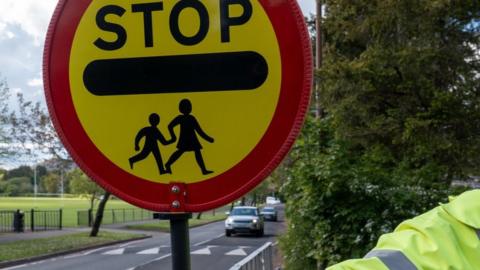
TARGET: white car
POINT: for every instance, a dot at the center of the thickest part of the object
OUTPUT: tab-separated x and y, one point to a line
273	200
244	219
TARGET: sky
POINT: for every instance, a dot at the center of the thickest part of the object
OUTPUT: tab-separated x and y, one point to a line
23	25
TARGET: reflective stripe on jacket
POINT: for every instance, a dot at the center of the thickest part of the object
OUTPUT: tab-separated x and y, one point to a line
447	237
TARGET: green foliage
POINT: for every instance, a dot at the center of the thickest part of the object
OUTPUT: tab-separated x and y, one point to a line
403	75
22	171
400	90
81	184
16	186
340	200
41	171
51	183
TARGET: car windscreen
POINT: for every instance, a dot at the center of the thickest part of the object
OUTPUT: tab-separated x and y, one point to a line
269	210
243	212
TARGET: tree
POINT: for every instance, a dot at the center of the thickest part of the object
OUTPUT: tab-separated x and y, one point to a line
403	75
33	129
7	149
40	171
51	183
18	186
33	126
81	184
99	217
22	171
400	91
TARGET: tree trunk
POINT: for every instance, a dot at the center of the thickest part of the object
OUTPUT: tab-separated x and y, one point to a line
199	215
99	217
242	203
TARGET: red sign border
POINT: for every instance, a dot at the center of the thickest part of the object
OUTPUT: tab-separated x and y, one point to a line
296	57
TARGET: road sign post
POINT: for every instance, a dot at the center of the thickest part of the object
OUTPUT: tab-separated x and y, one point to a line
179	235
179	238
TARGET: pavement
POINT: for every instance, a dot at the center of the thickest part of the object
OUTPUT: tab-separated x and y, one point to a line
28	235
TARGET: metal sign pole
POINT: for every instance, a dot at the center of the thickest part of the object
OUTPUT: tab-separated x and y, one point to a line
179	237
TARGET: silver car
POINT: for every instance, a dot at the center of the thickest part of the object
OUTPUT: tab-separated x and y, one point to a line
244	219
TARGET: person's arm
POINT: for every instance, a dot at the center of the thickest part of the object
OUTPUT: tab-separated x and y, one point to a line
446	237
171	126
162	139
360	264
139	136
202	133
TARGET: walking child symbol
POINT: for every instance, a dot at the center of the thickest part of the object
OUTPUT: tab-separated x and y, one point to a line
188	141
152	135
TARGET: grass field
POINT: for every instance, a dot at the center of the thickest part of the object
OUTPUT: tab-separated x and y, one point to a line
70	206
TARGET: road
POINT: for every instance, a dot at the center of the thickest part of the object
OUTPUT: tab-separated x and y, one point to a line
210	250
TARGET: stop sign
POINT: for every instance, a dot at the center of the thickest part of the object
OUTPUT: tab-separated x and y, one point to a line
178	106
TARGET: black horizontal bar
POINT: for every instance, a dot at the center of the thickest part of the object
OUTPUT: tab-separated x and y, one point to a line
175	74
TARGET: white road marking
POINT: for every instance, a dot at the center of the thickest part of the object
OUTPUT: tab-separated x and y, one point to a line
94	250
73	256
203	251
24	265
150	251
118	251
15	267
131	243
154	260
206	241
237	252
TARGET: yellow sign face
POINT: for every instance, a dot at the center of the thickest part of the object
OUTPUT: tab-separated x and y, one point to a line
175	90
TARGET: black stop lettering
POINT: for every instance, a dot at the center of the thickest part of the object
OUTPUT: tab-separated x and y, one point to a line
174	22
110	27
226	21
147	9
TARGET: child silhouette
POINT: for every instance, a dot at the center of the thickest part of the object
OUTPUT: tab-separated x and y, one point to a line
151	134
188	140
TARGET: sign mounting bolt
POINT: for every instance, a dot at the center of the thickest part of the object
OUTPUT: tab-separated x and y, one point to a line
176	204
176	189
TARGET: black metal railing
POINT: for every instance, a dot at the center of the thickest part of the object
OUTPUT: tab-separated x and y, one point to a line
113	216
44	220
6	221
33	220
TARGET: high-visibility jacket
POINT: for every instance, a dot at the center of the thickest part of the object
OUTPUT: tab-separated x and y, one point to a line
447	237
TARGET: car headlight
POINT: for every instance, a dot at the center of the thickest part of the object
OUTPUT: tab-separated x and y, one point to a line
255	221
229	220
